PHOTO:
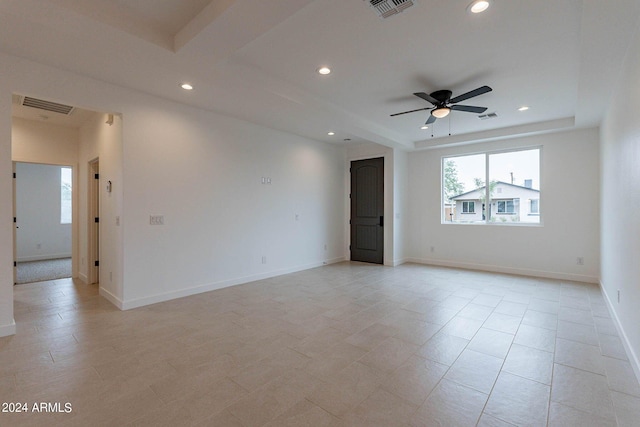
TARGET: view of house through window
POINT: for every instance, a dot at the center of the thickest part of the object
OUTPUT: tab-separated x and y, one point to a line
511	197
65	195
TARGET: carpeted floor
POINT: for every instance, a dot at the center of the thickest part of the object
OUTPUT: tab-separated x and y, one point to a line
38	271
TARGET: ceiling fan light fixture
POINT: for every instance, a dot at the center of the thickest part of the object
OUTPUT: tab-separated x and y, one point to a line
441	113
478	6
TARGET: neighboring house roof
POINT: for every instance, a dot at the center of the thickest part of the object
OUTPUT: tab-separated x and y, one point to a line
462	195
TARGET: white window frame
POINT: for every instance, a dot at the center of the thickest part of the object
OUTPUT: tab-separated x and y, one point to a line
487	220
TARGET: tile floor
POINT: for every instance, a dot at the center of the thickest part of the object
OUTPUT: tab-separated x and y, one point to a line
343	345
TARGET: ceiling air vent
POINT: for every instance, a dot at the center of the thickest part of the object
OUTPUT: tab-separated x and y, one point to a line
47	105
487	116
387	8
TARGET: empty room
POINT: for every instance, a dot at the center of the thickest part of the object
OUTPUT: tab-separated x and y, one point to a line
321	213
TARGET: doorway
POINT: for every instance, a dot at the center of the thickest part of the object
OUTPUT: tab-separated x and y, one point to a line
367	210
43	232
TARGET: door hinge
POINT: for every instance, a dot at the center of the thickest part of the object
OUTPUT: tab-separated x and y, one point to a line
15	219
14	175
97	263
96	176
15	264
349	247
97	219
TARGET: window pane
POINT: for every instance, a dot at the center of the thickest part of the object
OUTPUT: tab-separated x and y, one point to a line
65	195
514	183
462	198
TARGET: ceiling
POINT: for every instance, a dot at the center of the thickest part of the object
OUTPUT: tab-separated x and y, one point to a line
257	60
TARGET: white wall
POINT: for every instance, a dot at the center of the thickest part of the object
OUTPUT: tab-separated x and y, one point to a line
620	203
41	235
203	172
101	141
569	178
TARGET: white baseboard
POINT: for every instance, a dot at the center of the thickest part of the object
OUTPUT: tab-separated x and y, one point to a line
83	277
507	270
44	257
6	330
181	293
631	354
112	298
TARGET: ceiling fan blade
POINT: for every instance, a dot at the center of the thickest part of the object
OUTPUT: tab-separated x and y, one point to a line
412	111
427	97
473	93
430	120
469	108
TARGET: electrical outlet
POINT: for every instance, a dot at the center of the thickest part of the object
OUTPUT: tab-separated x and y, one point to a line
433	249
264	259
156	219
580	260
618	296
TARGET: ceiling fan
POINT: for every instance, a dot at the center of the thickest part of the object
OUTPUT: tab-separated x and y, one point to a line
441	100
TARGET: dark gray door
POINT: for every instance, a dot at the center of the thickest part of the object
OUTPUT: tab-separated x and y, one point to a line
367	210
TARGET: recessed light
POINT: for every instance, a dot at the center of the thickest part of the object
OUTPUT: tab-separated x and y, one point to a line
478	6
523	108
324	70
186	86
331	133
424	127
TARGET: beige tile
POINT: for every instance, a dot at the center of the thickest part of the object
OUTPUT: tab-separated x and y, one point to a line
519	401
627	409
381	408
581	390
620	376
578	355
372	336
530	363
346	344
415	379
305	414
450	404
493	343
273	399
443	348
475	370
534	337
343	391
389	355
563	416
503	323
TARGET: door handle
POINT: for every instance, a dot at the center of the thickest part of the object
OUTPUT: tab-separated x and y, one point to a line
381	221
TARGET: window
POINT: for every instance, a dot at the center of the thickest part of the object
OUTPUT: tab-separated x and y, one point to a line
65	195
534	206
506	206
512	195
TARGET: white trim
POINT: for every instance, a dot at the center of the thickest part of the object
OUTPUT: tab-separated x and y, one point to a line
7	330
508	270
167	296
111	298
632	356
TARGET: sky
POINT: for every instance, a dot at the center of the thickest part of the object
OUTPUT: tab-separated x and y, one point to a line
524	165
